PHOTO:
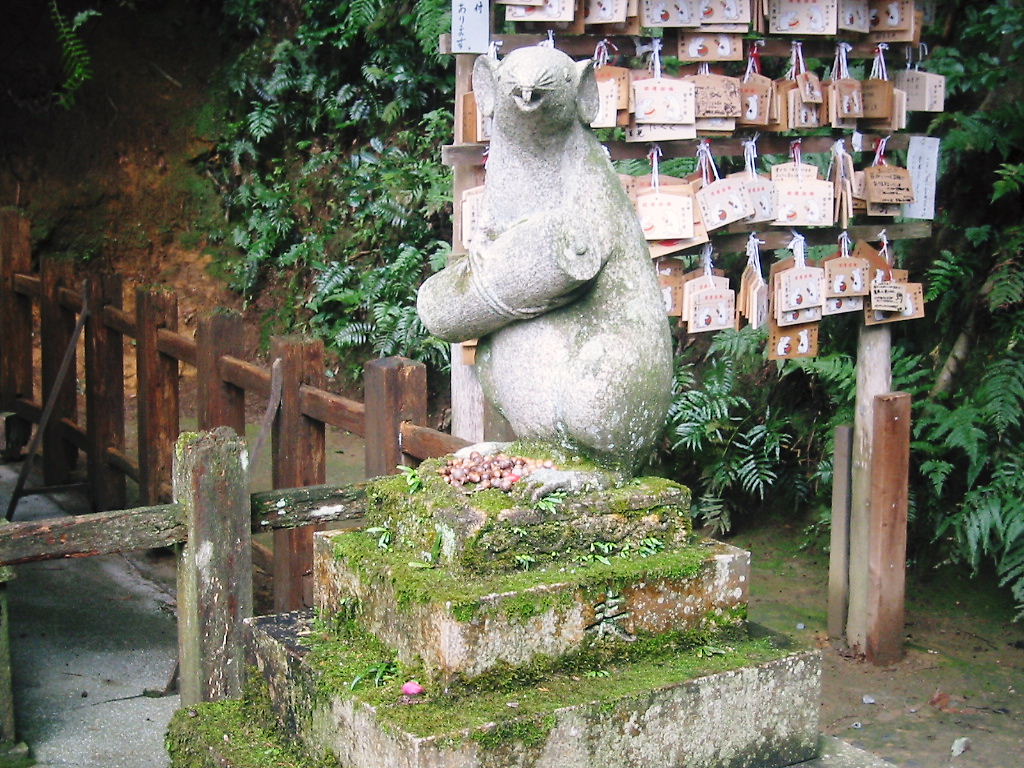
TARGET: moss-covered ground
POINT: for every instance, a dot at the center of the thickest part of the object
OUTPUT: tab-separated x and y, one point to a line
238	733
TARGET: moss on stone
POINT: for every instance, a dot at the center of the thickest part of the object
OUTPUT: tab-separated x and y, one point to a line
469	597
491	531
241	733
632	670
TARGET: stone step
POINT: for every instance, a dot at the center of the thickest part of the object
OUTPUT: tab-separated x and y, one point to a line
460	627
490	531
752	705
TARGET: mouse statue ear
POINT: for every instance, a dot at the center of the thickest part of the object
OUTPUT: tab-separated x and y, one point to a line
588	100
485	84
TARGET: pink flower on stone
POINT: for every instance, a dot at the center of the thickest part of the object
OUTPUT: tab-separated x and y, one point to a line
412	688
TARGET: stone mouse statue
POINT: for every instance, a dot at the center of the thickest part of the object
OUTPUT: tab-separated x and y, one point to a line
558	286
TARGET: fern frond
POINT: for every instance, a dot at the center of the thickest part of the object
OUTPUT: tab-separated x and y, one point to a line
1001	393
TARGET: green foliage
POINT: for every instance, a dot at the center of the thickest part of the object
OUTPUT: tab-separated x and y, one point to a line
331	170
74	57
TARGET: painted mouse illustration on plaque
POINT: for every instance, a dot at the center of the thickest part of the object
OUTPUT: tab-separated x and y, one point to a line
559	286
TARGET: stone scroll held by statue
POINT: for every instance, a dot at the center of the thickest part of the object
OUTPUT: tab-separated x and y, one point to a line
558	286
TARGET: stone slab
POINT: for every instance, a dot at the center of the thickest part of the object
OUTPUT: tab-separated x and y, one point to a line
514	626
761	715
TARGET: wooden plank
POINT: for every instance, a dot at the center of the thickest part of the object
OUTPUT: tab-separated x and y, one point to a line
119	461
245	376
738	234
99	533
395	390
157	393
839	546
298	459
176	345
16	320
70	299
74	434
318	504
56	325
874	377
28	285
333	409
116	319
220	403
104	395
583	45
887	559
426	443
473	154
215	565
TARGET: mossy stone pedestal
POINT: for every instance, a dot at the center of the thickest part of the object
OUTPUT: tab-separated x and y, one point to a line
596	630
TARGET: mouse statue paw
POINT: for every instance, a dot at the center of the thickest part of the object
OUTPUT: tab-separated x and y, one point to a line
544	482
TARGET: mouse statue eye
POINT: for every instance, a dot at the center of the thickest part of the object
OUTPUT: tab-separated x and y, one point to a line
568	77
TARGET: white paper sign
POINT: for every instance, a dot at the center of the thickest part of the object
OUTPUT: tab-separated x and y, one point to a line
471	26
923	164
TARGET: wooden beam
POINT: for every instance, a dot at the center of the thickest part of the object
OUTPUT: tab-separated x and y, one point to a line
839	545
16	319
157	393
220	403
457	155
100	533
215	565
395	390
333	409
426	443
318	504
874	377
176	345
887	557
56	326
298	459
104	394
245	376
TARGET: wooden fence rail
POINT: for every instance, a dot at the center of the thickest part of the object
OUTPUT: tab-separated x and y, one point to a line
391	421
213	512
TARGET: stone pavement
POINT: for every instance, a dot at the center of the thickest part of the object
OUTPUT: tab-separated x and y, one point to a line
88	636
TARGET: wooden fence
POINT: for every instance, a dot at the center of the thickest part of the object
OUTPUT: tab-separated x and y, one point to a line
391	419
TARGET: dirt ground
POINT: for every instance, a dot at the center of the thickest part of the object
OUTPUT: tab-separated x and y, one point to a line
962	676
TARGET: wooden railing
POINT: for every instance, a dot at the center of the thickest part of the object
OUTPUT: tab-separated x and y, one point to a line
391	420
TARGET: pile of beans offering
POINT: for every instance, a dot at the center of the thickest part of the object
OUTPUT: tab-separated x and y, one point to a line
483	472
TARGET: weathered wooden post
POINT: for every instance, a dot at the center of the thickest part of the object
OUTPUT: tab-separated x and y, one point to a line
157	392
16	318
220	404
299	459
839	543
874	377
104	388
395	390
215	565
57	326
887	553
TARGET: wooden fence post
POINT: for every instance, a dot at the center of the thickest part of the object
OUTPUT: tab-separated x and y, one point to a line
16	320
157	393
299	459
104	389
215	565
57	326
395	390
874	377
839	545
887	559
220	404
